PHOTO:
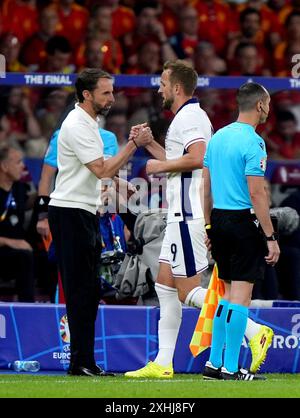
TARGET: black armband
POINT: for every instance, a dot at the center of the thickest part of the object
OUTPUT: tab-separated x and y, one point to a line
42	204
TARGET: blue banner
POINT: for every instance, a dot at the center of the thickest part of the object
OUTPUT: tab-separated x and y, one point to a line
126	337
147	81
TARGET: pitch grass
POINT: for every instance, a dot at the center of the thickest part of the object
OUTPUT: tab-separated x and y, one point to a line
182	386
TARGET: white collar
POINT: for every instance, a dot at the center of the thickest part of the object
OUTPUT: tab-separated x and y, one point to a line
86	116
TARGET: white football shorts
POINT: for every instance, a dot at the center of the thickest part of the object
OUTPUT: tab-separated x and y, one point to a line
184	249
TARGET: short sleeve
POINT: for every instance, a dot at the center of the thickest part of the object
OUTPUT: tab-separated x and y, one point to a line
256	159
86	143
51	153
192	129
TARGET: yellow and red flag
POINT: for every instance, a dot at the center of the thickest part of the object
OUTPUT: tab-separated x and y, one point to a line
201	338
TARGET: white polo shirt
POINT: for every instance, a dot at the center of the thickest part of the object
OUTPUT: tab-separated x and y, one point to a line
190	125
79	143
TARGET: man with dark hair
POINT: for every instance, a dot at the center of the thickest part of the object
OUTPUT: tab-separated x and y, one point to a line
284	141
148	28
72	210
58	53
250	32
247	60
250	19
16	257
239	228
249	95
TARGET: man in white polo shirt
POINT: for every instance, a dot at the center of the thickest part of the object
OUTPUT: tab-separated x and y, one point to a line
72	210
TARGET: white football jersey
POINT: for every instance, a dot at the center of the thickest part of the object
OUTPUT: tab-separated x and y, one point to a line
190	125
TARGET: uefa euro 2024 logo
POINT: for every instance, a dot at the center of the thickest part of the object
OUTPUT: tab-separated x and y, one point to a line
296	67
64	329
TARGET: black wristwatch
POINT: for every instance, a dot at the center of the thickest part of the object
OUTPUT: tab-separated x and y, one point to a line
273	237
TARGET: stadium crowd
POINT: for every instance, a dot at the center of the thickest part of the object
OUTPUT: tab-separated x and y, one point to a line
250	38
135	37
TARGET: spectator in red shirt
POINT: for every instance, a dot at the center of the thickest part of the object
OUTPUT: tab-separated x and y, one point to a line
18	118
34	49
100	27
123	18
219	106
282	52
270	25
148	28
217	23
206	61
93	53
186	40
10	48
73	20
170	14
20	18
284	142
58	54
247	61
148	59
251	32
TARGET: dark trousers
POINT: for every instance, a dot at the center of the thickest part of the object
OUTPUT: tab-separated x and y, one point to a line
18	265
75	233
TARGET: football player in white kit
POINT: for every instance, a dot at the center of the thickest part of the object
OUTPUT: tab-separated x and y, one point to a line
183	254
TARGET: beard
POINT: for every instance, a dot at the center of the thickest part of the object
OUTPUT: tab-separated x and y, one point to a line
100	110
167	103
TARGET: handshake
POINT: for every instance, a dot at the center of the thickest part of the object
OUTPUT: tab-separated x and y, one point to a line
141	135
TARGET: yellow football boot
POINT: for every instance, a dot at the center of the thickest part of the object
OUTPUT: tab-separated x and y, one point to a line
259	345
153	371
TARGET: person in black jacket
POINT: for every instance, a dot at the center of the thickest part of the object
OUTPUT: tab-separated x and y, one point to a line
16	257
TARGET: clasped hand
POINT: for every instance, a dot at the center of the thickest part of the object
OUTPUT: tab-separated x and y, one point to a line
141	134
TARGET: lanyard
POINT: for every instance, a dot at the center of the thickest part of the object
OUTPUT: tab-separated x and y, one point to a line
116	238
9	201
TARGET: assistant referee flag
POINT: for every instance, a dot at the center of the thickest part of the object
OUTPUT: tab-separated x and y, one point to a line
201	338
